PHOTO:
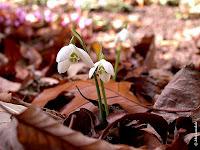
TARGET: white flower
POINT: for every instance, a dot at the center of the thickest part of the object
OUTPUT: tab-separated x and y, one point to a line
104	69
71	54
123	35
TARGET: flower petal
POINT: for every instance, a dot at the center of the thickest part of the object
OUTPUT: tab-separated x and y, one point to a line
84	56
65	52
91	72
105	77
108	67
63	66
122	36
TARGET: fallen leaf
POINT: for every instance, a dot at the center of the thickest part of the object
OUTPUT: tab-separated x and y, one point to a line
145	38
12	52
118	91
8	135
146	87
60	101
8	86
178	142
5	97
83	121
48	81
36	130
49	94
15	109
31	54
22	71
181	93
146	118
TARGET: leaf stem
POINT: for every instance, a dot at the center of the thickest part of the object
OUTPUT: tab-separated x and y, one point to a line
104	97
118	51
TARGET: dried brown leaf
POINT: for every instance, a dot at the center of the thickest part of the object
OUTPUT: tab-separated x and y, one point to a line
8	136
182	92
5	97
36	130
6	85
120	92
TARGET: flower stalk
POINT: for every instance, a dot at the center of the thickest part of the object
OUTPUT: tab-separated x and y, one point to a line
122	36
104	98
103	69
101	56
117	60
102	117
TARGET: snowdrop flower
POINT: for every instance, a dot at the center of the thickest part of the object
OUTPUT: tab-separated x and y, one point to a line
123	35
104	69
71	54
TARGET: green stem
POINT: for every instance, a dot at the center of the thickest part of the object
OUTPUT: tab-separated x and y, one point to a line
102	118
101	108
104	97
118	51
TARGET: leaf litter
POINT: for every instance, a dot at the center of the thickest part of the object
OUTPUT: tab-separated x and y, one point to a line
154	104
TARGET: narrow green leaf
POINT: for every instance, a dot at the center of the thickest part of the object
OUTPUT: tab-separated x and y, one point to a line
78	36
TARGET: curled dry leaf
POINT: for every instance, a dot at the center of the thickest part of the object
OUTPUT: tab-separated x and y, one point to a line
140	118
83	121
182	92
36	130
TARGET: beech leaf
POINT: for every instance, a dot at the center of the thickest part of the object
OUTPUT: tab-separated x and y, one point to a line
118	91
36	130
181	94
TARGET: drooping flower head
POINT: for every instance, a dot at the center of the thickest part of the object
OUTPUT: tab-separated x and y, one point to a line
71	54
123	35
104	69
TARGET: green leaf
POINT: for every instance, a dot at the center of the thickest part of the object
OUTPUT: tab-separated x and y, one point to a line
78	36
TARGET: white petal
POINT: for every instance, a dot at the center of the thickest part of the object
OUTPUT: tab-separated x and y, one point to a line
123	35
63	66
65	52
108	67
91	72
84	56
97	63
105	77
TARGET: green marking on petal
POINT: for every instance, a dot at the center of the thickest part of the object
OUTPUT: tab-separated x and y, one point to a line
101	70
74	58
